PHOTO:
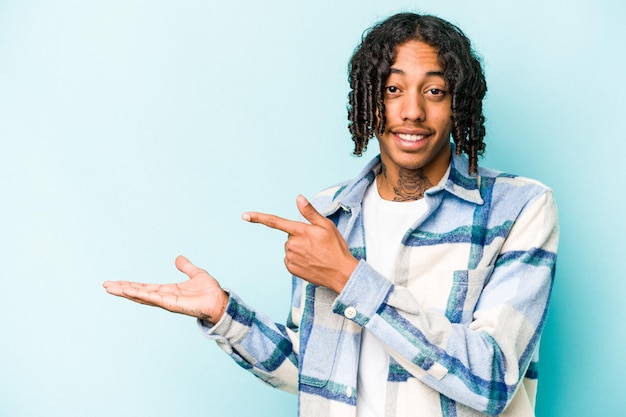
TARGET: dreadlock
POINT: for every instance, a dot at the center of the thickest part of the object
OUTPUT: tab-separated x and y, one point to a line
369	69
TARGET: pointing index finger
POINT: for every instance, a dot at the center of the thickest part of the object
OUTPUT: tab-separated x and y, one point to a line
275	222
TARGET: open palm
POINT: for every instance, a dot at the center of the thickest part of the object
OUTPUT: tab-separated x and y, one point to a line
200	296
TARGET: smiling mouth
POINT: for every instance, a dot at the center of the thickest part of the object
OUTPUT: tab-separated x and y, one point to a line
410	138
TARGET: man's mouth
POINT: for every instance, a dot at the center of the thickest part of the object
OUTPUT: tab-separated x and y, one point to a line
409	137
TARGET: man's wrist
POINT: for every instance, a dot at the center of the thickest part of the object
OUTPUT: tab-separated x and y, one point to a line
345	274
223	305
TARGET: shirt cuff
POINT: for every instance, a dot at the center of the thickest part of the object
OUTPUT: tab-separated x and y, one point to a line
363	294
234	324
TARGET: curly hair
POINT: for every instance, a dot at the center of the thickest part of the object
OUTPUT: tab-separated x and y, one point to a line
369	69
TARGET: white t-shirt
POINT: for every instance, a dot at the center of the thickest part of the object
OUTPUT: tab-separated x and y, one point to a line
385	224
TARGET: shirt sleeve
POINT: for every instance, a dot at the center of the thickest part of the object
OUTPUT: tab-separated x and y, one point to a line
481	362
266	349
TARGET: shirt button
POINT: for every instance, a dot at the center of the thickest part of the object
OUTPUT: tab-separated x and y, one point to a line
350	312
349	392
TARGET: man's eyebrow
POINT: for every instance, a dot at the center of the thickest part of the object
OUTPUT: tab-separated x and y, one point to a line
399	71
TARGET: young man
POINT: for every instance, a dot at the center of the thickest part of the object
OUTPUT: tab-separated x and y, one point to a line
420	287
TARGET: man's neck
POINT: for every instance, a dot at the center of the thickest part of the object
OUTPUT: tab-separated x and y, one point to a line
405	185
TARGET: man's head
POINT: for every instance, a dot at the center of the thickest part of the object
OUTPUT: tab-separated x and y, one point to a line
370	68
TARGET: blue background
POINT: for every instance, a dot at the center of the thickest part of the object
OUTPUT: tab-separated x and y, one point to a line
132	131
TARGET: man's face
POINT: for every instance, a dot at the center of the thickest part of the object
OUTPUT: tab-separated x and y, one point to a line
418	113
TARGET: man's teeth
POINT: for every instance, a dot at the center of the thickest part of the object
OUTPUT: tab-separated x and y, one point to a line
412	138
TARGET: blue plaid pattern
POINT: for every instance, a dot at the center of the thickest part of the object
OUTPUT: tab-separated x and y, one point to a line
461	322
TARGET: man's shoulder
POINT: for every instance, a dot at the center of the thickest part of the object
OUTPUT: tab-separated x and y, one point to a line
497	177
328	195
488	177
512	190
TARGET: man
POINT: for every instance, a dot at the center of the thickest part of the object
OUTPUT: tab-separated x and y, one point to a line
419	288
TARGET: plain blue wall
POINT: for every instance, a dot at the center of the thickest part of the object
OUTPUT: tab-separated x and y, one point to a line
132	131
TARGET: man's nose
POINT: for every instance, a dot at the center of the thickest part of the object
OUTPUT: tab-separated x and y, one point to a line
413	107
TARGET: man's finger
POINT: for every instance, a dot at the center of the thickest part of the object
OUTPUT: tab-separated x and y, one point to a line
184	265
122	287
146	297
128	290
272	221
308	211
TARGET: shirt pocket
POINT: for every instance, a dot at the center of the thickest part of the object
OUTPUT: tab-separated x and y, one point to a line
451	292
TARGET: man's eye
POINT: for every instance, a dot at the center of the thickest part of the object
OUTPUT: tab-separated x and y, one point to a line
392	89
436	91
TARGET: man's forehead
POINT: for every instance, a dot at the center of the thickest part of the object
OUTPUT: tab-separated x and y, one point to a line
418	56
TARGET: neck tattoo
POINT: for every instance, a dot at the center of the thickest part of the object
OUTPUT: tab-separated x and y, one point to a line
412	184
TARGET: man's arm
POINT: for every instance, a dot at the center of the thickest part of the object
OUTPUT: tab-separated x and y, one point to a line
252	339
479	363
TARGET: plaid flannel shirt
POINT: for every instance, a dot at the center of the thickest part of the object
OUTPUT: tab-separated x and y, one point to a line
461	322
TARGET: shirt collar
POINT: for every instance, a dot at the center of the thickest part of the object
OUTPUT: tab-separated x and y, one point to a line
456	181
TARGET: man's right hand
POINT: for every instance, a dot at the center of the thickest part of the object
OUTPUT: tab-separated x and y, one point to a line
200	296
